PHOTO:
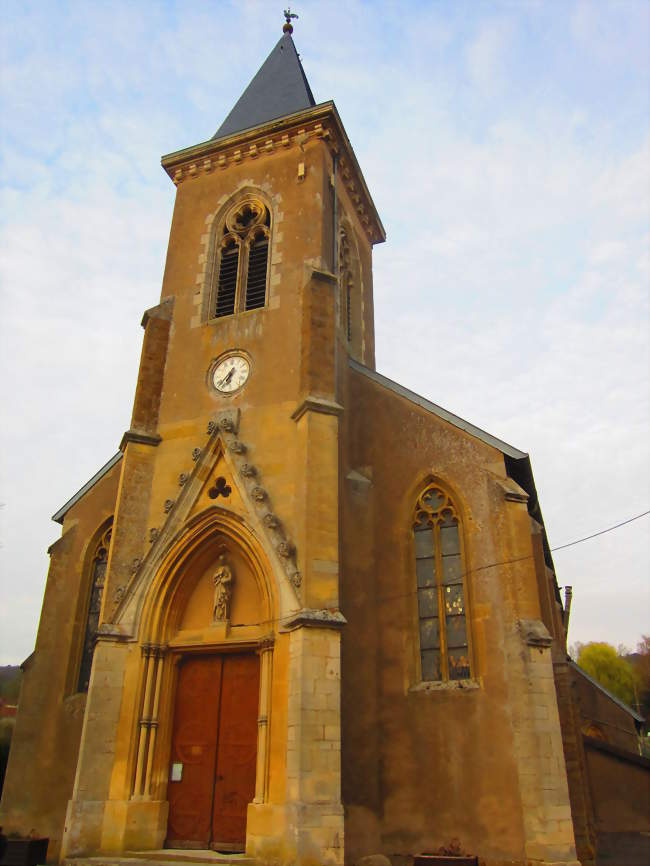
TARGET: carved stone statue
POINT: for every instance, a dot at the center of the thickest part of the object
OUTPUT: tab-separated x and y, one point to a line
223	581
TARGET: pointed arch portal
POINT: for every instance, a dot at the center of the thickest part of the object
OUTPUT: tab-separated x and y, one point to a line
205	681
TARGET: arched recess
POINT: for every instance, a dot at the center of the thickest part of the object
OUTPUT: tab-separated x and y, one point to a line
202	537
181	578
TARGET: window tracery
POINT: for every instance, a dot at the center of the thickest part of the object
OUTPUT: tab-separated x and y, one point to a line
441	591
242	258
97	577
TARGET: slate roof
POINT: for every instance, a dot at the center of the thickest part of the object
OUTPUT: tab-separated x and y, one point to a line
628	709
280	87
61	513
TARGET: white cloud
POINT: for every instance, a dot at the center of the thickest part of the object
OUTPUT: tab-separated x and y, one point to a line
486	63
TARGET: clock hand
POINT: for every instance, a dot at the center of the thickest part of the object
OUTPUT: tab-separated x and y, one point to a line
227	377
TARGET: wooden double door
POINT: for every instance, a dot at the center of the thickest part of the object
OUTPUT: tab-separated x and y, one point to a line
214	751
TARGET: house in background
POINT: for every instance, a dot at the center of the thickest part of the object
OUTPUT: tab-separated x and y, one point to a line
303	613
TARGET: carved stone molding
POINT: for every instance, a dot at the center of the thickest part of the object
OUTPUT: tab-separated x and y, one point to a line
225	429
266	643
169	504
196	453
220	488
260	496
285	549
258	493
320	123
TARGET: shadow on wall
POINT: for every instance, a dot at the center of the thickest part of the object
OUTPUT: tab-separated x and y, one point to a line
10	679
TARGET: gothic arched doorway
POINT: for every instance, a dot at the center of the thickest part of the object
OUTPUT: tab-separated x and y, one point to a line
207	637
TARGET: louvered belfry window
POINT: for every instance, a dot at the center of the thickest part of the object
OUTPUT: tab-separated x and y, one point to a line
228	270
242	259
441	591
256	279
97	578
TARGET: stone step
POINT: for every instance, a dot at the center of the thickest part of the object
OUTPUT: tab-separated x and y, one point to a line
184	857
154	861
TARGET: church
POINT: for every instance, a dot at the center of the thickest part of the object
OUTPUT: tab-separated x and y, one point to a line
304	615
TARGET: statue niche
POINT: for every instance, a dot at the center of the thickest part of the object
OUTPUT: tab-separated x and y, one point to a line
223	584
221	589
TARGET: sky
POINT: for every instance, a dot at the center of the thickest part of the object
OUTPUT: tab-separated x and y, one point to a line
506	145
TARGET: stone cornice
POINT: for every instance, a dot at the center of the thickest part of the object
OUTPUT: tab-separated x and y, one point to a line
322	122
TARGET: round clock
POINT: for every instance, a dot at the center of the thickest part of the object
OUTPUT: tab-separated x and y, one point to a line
231	374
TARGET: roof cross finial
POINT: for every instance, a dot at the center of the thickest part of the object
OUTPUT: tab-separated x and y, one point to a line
288	26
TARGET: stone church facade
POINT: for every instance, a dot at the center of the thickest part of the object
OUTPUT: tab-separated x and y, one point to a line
303	612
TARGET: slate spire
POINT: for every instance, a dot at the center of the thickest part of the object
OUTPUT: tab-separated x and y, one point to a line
280	87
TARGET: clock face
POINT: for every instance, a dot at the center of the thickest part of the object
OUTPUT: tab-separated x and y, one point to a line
231	374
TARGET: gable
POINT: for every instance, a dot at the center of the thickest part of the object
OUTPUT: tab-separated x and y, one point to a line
221	481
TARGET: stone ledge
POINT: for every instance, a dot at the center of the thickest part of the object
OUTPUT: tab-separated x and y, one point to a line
317	404
140	438
450	686
534	633
315	619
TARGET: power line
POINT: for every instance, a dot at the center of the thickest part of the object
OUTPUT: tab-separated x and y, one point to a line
602	532
396	597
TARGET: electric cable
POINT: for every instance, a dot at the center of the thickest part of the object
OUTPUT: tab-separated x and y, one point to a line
602	532
477	569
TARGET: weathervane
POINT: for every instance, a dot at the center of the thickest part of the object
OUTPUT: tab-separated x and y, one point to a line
288	26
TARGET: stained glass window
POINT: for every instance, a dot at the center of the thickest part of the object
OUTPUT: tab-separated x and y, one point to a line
440	580
98	576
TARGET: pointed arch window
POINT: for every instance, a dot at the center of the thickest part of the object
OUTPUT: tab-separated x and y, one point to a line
242	259
97	578
441	589
345	281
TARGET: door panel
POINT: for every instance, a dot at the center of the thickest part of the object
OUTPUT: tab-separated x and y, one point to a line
194	745
215	740
237	748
